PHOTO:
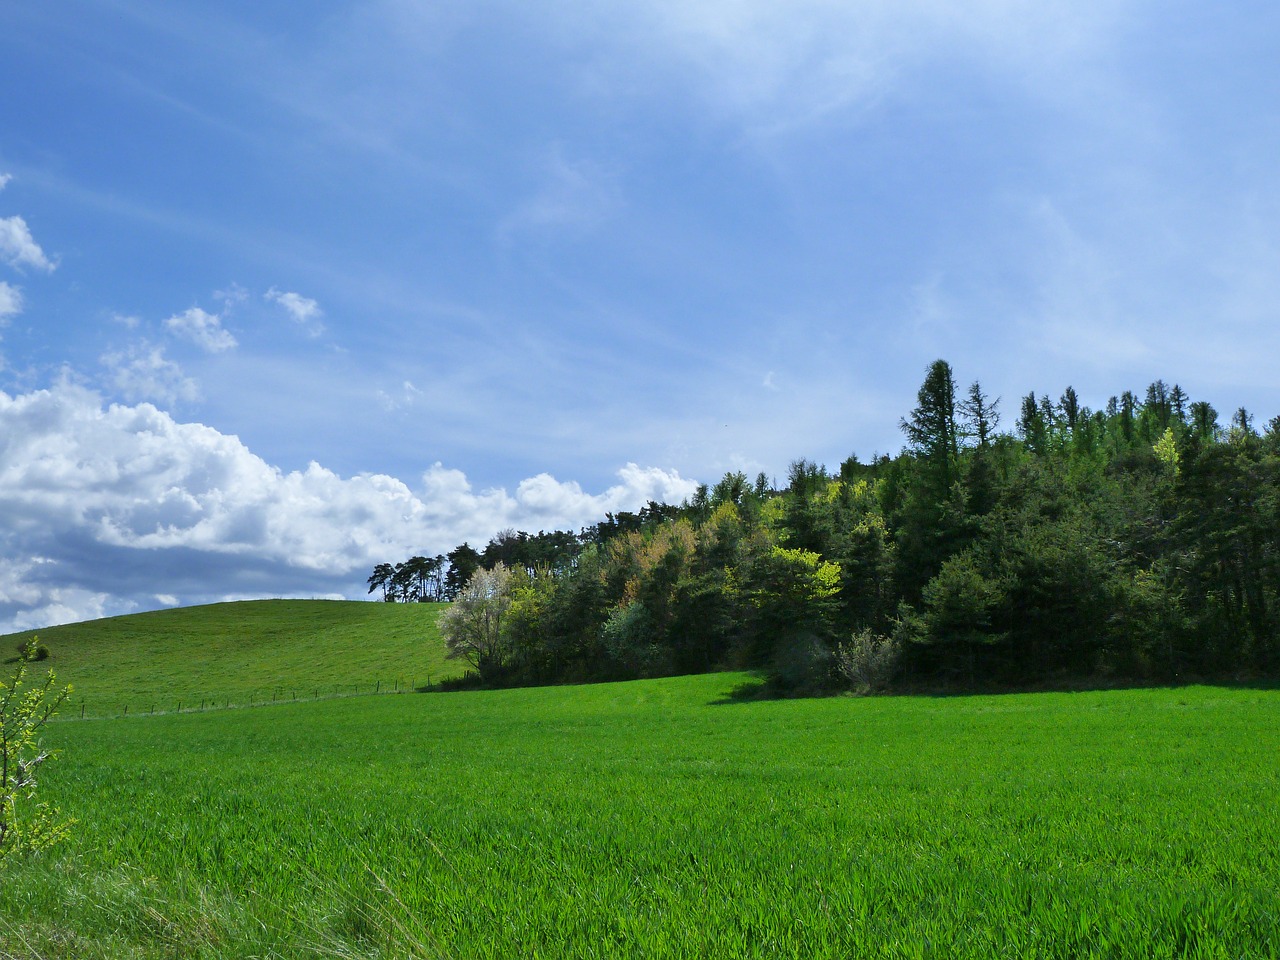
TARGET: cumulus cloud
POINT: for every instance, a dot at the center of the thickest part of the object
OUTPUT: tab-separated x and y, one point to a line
124	504
10	301
203	329
143	372
31	603
18	248
303	310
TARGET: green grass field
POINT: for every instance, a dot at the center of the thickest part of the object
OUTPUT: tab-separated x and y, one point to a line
666	819
238	653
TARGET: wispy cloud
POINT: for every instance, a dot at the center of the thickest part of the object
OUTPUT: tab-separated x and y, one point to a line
203	329
304	311
777	67
10	302
573	195
143	372
407	396
231	297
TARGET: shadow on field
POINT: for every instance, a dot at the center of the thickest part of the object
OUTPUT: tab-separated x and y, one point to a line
753	690
759	688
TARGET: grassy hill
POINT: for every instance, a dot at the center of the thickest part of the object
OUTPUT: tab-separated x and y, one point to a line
245	652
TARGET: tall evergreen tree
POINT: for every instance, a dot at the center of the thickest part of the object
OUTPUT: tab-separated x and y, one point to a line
1070	406
1204	421
931	428
1032	426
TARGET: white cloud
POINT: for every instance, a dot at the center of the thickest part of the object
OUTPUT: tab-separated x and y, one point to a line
18	248
143	372
10	301
775	66
4	179
304	311
124	503
232	297
407	397
203	329
32	603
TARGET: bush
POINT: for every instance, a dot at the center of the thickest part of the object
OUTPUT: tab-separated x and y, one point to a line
628	638
33	650
867	662
801	664
25	824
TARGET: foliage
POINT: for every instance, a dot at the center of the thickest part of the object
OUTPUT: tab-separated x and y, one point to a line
25	823
473	624
33	650
867	662
1138	541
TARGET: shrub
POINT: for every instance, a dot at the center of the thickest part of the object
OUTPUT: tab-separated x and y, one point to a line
33	650
25	824
801	664
868	661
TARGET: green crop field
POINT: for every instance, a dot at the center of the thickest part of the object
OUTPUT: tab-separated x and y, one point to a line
238	653
666	818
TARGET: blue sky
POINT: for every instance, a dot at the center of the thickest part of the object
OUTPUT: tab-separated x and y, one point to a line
286	291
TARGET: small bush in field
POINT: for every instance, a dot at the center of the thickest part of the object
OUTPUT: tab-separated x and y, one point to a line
867	662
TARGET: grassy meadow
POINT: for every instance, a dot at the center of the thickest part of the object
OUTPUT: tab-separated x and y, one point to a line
239	653
666	818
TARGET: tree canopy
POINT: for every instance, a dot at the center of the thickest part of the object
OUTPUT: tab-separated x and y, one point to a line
1139	541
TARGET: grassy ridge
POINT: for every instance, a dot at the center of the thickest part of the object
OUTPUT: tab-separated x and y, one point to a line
243	652
653	819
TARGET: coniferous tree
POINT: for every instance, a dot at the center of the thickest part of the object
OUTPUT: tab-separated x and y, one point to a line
1204	421
931	428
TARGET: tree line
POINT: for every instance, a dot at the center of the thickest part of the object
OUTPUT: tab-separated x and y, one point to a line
1140	541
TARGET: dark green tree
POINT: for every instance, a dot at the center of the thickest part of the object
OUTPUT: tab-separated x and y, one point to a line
931	429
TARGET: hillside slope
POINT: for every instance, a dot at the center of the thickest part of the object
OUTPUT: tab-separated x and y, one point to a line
244	652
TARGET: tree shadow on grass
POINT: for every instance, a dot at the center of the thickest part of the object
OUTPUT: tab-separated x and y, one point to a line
758	688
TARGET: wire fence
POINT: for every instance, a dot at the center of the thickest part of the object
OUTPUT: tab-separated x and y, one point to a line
106	708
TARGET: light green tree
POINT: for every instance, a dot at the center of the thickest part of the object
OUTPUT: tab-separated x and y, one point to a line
25	823
473	626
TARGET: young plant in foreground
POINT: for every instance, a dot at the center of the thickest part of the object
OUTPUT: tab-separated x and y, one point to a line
26	824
